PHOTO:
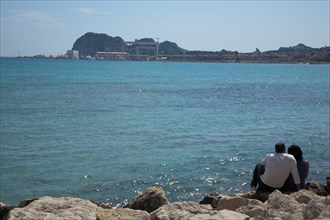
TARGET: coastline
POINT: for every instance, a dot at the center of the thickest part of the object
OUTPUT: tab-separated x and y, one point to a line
200	60
310	203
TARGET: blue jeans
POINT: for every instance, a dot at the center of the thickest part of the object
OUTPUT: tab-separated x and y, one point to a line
256	181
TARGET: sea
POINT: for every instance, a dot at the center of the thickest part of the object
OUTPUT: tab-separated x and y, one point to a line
107	130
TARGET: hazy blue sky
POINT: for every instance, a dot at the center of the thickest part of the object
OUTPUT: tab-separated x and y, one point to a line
51	27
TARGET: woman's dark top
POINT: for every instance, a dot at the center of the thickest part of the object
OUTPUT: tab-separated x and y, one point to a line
289	185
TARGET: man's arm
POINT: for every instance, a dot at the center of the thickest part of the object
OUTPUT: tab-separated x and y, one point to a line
264	161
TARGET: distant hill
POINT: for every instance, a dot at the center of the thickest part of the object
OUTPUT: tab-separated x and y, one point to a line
91	43
170	48
298	48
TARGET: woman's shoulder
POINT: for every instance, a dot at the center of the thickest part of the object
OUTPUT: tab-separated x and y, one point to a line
302	163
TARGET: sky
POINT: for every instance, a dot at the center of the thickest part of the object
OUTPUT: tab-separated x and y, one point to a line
51	27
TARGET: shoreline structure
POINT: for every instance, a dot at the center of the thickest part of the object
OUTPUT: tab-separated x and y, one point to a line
310	203
94	46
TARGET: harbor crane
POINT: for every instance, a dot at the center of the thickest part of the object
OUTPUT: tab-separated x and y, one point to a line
145	45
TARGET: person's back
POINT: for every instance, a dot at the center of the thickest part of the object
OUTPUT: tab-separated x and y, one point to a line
274	170
302	166
277	169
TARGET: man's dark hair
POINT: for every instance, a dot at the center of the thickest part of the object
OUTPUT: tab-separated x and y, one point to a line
280	147
296	152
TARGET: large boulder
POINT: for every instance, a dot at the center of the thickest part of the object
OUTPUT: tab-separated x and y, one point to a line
318	209
121	214
317	188
55	208
232	202
194	211
150	200
26	202
303	204
284	206
254	208
211	199
305	196
250	207
4	211
259	195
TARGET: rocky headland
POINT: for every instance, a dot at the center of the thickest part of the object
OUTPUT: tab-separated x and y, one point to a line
310	203
104	47
90	44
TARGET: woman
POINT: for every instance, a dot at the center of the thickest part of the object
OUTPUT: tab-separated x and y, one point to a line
303	169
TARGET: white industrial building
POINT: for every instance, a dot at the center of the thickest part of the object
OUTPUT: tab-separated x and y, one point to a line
72	54
112	55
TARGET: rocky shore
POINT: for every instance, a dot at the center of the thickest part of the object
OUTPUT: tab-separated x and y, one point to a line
152	204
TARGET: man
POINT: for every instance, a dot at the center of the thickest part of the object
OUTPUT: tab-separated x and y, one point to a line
274	169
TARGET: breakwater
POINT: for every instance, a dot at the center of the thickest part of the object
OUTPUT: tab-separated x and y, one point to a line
152	204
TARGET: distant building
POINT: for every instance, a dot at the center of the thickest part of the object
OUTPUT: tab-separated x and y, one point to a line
72	54
112	55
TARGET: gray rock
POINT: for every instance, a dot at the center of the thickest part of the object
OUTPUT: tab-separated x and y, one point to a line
284	206
55	208
254	208
305	196
211	199
26	202
250	207
304	204
318	209
121	214
317	188
150	200
232	203
4	211
220	215
193	211
259	195
101	204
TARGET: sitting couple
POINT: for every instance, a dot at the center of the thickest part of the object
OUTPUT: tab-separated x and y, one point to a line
283	171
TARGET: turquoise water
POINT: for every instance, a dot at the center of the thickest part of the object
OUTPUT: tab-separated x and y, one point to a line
104	130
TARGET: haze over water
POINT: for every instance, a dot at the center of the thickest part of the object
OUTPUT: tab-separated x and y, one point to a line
104	130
